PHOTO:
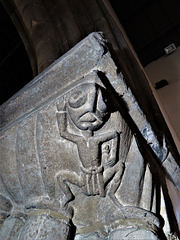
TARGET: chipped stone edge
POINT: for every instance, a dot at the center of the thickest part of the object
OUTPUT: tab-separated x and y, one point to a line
54	80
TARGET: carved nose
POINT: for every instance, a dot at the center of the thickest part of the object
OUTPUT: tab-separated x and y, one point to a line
95	101
101	104
92	101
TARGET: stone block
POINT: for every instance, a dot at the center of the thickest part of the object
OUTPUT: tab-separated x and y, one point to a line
74	150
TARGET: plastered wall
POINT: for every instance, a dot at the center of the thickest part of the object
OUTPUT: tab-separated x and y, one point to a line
168	97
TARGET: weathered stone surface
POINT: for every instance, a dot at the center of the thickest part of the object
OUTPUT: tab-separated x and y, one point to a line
12	228
173	170
44	227
55	79
78	148
129	234
132	233
89	236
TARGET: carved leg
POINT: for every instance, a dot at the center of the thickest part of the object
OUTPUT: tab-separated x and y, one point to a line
113	176
63	178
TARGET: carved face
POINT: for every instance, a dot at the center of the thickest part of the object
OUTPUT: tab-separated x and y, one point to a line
87	107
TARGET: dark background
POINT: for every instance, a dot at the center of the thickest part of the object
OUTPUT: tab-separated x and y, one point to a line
151	25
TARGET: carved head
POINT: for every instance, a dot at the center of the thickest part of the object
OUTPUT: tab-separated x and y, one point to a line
87	107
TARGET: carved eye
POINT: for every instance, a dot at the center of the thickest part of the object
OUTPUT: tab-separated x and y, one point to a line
77	99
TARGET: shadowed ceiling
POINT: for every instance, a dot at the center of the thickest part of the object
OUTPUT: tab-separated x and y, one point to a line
151	25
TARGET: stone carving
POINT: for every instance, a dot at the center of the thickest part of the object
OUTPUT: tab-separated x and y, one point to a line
87	109
87	118
76	148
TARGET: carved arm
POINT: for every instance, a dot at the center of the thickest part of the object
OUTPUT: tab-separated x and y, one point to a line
106	136
113	153
62	124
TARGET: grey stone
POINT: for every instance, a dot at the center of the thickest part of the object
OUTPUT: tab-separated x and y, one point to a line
12	228
90	236
44	227
73	150
55	79
172	169
132	233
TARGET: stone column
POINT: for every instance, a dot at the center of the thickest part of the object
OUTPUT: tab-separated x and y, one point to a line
79	159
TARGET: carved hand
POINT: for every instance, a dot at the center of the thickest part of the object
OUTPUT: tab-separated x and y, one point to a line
61	116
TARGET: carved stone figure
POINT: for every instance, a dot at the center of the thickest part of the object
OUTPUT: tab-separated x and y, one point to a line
79	160
87	109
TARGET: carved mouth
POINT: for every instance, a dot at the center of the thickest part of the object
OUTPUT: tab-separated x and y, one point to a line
89	117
